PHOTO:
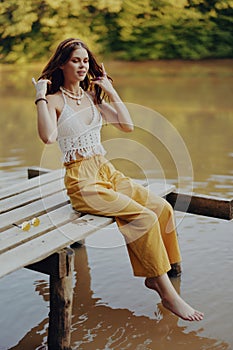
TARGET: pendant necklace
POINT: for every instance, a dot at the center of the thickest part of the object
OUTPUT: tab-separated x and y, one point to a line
78	97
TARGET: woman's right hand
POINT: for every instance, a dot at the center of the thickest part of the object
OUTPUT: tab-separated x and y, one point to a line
41	87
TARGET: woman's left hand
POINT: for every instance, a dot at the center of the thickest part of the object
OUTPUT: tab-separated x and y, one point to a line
104	82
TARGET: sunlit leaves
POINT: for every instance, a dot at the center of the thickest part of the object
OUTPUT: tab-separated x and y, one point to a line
17	16
129	29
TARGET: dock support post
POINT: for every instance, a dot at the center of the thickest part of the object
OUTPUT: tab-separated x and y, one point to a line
60	267
61	297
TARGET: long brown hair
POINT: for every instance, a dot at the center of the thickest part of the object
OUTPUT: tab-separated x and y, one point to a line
54	73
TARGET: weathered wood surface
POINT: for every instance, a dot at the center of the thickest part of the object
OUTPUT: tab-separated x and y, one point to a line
31	183
35	171
44	197
44	248
61	297
220	208
60	268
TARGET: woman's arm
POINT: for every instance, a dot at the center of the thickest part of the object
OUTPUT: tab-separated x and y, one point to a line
46	112
115	113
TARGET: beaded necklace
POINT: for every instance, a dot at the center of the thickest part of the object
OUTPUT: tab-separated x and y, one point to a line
78	97
67	92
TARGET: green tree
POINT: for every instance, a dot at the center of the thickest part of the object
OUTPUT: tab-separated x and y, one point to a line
220	15
30	29
128	29
175	29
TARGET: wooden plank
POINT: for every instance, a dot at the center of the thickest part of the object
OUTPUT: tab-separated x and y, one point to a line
49	243
14	236
31	183
202	205
161	189
35	208
30	196
35	171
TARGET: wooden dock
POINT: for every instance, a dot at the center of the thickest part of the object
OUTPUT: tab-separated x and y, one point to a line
46	247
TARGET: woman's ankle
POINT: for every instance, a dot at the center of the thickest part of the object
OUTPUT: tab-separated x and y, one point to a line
175	270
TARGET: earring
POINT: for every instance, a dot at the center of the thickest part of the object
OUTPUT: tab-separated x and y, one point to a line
26	225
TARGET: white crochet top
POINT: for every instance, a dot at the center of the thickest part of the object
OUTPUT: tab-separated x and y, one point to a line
74	135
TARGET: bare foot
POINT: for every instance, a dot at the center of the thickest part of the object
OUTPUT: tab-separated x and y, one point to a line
171	299
181	309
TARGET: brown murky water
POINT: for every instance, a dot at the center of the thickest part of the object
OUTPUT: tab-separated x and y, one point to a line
112	309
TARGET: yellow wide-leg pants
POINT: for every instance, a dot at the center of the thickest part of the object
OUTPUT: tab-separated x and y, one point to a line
145	220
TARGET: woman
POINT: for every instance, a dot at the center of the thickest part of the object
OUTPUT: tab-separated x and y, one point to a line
70	100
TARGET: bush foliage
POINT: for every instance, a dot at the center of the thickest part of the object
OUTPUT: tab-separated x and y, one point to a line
124	29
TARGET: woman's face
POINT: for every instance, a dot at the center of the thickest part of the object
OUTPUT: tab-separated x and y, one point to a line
76	68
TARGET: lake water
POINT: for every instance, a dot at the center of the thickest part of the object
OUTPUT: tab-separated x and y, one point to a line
183	112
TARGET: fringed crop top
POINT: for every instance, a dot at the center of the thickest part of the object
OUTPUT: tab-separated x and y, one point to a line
75	136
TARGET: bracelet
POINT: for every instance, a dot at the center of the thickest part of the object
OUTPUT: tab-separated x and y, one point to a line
41	99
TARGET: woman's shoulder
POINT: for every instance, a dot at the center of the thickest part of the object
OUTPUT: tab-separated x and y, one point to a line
56	101
55	98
